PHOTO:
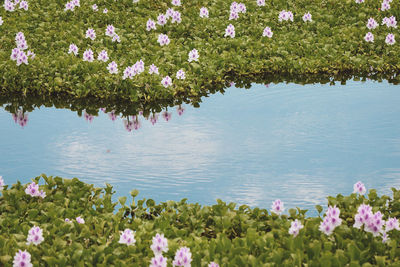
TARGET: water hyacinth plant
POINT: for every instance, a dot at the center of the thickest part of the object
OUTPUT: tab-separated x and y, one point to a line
327	44
222	234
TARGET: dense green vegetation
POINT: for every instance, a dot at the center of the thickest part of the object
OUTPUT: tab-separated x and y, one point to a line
224	233
332	44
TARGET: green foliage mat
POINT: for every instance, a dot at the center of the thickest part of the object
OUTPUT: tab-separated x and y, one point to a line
224	233
331	44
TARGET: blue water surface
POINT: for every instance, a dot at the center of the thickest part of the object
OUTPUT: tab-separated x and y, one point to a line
293	142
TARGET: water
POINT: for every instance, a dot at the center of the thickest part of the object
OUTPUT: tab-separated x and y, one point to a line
297	143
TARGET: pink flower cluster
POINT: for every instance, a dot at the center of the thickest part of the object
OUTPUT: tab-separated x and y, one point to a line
73	49
369	37
150	25
153	69
260	2
72	4
180	74
22	258
385	5
1	183
166	115
127	237
166	81
90	33
277	207
112	68
18	54
163	39
35	236
236	9
10	5
183	257
103	56
110	31
159	245
390	22
33	190
390	39
285	16
267	32
307	17
331	220
372	24
230	31
359	188
176	2
133	70
20	117
193	55
295	227
203	12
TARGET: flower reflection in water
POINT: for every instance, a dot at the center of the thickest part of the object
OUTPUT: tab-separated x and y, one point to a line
20	117
130	122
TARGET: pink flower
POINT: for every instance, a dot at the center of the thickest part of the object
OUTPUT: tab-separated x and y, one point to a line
267	32
153	69
385	6
67	220
73	49
261	2
88	55
105	11
127	237
159	245
161	19
80	220
295	228
193	55
23	5
166	81
112	115
91	34
110	30
163	39
176	17
166	115
158	261
390	39
31	54
392	223
180	75
150	25
369	37
33	190
169	13
176	2
116	38
1	183
285	16
9	5
22	258
359	186
233	15
230	31
103	56
94	7
277	207
372	24
213	264
35	236
331	220
128	125
203	12
307	17
112	68
183	257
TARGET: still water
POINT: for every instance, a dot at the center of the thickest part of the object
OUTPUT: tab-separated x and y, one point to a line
293	142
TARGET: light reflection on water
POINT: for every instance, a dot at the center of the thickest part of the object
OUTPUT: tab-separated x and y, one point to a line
296	143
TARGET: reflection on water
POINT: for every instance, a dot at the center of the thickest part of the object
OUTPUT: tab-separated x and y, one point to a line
297	143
